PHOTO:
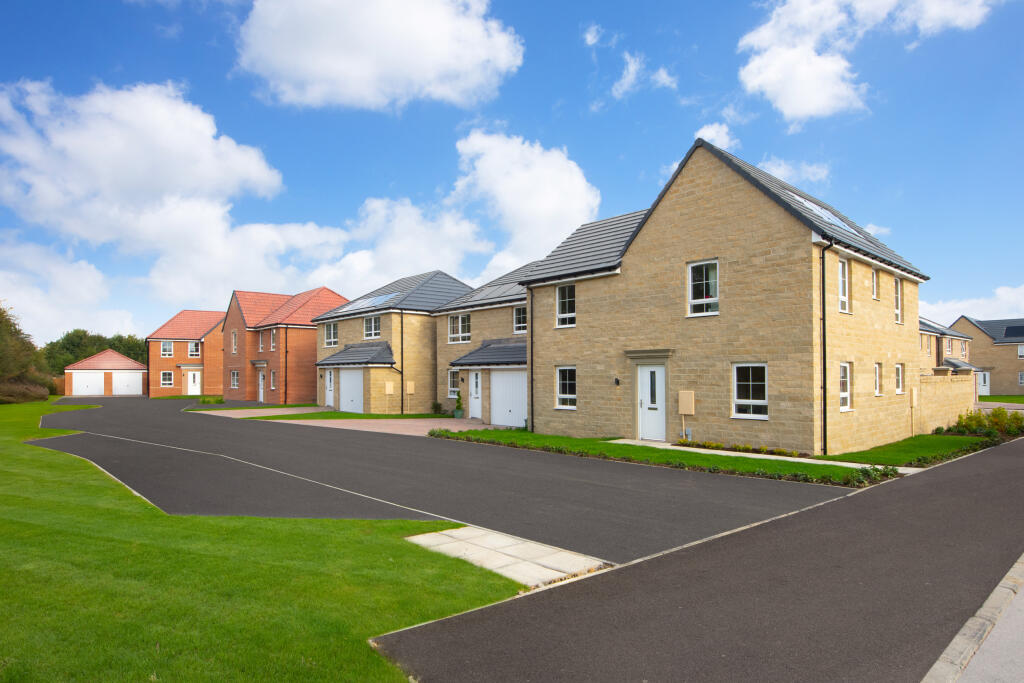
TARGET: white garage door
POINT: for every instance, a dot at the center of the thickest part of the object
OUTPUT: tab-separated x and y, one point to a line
508	397
87	383
350	390
126	382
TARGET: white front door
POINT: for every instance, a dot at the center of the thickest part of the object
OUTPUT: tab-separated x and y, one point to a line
508	398
193	385
475	402
983	383
651	401
260	399
329	388
350	390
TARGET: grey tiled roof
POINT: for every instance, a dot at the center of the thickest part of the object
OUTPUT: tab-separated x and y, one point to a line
591	248
959	365
364	353
505	289
423	292
507	351
926	325
1007	330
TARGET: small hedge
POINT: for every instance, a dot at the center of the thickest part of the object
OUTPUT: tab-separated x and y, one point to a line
741	448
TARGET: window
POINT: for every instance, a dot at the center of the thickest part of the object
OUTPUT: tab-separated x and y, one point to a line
166	349
458	328
331	334
844	285
193	349
519	320
234	341
453	384
874	284
845	382
273	339
1020	378
234	379
371	327
878	379
273	379
167	378
566	379
929	340
963	349
949	346
704	288
261	340
1020	351
565	311
899	299
899	378
750	400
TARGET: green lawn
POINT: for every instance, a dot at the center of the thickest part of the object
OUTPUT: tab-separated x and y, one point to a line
1002	399
182	397
925	449
657	456
336	415
99	585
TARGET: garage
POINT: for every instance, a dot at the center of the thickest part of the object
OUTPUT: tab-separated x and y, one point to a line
87	383
508	398
126	382
350	390
107	373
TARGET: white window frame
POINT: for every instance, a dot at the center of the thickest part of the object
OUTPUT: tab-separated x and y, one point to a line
234	341
706	302
874	284
846	396
567	319
166	349
261	341
273	339
1020	378
949	346
878	379
1020	351
737	401
273	379
929	338
899	378
566	401
453	391
516	327
234	379
844	285
169	381
193	345
963	349
331	335
898	293
461	323
371	327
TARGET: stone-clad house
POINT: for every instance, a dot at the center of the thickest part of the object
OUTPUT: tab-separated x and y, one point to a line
943	349
998	352
185	355
376	353
737	309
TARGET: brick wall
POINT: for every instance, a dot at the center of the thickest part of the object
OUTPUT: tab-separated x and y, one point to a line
212	350
247	348
301	369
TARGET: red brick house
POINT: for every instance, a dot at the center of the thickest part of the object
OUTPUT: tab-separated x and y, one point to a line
185	355
270	345
107	373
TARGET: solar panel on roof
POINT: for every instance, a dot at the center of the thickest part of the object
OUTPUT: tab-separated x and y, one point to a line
370	302
822	213
1015	331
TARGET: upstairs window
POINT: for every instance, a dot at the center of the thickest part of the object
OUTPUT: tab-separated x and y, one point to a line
193	349
458	328
273	339
844	285
261	340
519	320
566	381
453	384
899	378
750	400
166	349
928	341
878	379
845	387
371	327
565	306
949	346
963	349
1020	351
331	334
874	284
704	288
898	300
234	341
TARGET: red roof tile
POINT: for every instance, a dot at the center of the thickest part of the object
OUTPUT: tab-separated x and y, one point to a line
188	325
258	305
108	359
302	308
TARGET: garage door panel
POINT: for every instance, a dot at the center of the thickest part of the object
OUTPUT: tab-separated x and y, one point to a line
508	398
87	383
350	390
126	383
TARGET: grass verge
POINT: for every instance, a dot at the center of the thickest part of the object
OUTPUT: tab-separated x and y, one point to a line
1002	399
336	415
683	459
182	397
99	585
917	451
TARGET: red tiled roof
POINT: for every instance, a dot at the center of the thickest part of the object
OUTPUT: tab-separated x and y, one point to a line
302	308
108	359
188	325
258	305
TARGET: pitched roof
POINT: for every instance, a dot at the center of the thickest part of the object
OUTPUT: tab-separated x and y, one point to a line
423	292
507	351
1006	331
505	289
600	246
303	307
364	353
108	359
926	325
188	324
959	364
256	306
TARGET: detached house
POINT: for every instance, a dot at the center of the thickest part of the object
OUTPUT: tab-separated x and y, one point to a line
185	355
736	309
998	352
376	354
270	345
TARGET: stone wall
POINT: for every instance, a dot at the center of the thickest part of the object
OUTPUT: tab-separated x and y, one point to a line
942	399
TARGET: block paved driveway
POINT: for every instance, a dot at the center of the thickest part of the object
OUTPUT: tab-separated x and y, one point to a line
197	464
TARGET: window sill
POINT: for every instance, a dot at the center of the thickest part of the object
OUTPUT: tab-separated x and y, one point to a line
371	338
518	331
564	327
702	315
467	341
845	312
565	407
901	393
846	410
881	395
763	418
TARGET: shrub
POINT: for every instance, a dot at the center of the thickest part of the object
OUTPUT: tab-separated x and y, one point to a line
211	400
435	407
938	430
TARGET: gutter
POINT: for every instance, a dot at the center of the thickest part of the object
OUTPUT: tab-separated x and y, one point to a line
824	355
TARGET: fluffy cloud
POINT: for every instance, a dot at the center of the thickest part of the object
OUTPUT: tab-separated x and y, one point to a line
1005	302
630	78
663	79
592	35
799	55
717	134
877	230
380	54
795	172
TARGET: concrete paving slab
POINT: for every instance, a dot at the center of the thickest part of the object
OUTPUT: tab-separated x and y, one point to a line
495	540
406	427
463	533
259	412
528	550
531	574
566	562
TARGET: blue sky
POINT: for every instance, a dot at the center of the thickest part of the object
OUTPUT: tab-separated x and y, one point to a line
155	155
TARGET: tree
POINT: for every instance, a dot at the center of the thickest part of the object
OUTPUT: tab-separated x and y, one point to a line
78	344
129	345
16	349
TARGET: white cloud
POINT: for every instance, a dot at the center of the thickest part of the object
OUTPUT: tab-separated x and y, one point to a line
1005	302
380	54
630	78
795	172
593	35
717	134
799	55
878	230
734	116
663	79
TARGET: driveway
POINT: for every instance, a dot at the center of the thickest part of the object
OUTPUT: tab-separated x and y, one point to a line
406	426
195	464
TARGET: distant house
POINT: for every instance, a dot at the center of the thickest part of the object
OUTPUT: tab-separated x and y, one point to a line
185	355
998	352
270	345
107	373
